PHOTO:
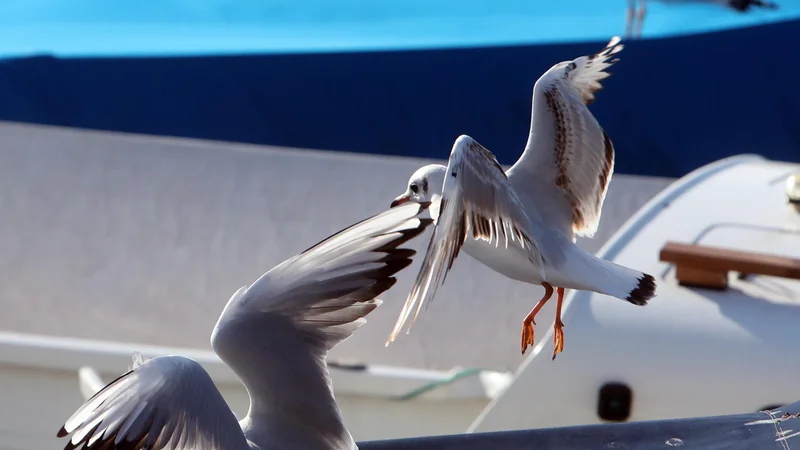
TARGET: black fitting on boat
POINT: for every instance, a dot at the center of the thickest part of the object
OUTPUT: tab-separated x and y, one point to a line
614	402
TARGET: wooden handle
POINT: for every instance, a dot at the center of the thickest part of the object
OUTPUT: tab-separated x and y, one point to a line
700	265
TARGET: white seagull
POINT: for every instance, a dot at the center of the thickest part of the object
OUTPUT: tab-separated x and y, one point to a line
275	335
635	17
523	223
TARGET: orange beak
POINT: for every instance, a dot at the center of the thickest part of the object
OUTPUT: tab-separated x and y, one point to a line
400	200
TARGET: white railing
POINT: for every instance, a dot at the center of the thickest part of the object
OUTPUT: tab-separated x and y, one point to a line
104	357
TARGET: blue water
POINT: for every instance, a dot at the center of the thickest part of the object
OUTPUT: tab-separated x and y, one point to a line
173	27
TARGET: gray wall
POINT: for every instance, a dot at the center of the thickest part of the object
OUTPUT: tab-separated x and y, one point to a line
134	238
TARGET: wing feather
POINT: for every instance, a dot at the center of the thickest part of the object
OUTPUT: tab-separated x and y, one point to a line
330	287
567	149
478	202
298	311
167	403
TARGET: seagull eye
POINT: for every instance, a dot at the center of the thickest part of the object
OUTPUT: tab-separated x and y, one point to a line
414	188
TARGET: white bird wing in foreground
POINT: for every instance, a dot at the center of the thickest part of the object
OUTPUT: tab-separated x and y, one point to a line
569	158
477	202
275	336
169	396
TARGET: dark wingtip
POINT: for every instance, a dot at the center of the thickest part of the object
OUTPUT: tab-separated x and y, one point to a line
62	432
644	291
426	222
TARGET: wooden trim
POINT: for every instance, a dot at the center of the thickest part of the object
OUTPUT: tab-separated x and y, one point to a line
699	265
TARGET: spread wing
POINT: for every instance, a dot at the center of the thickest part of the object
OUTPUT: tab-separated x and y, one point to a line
275	334
168	403
278	331
328	289
567	148
477	202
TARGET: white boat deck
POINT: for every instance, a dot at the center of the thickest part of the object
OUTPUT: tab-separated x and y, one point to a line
141	240
111	243
690	352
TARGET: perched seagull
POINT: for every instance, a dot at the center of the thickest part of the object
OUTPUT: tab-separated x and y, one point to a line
523	223
275	335
635	18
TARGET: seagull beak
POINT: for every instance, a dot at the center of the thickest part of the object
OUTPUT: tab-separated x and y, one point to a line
400	200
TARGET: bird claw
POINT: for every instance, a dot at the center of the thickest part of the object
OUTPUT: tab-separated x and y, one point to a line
558	339
527	335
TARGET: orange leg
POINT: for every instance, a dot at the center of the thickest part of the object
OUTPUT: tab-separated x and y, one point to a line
528	323
558	332
640	15
629	18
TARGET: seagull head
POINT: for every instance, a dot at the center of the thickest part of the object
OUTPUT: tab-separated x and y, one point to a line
425	185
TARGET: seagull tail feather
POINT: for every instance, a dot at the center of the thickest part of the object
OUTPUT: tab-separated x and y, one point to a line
606	277
627	284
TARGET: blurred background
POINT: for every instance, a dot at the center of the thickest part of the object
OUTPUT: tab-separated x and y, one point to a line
155	156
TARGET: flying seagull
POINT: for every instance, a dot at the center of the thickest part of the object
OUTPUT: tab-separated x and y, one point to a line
635	16
523	223
275	335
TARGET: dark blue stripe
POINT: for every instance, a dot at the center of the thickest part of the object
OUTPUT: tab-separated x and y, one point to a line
672	105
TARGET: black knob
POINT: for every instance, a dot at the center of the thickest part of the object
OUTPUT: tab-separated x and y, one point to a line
614	402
